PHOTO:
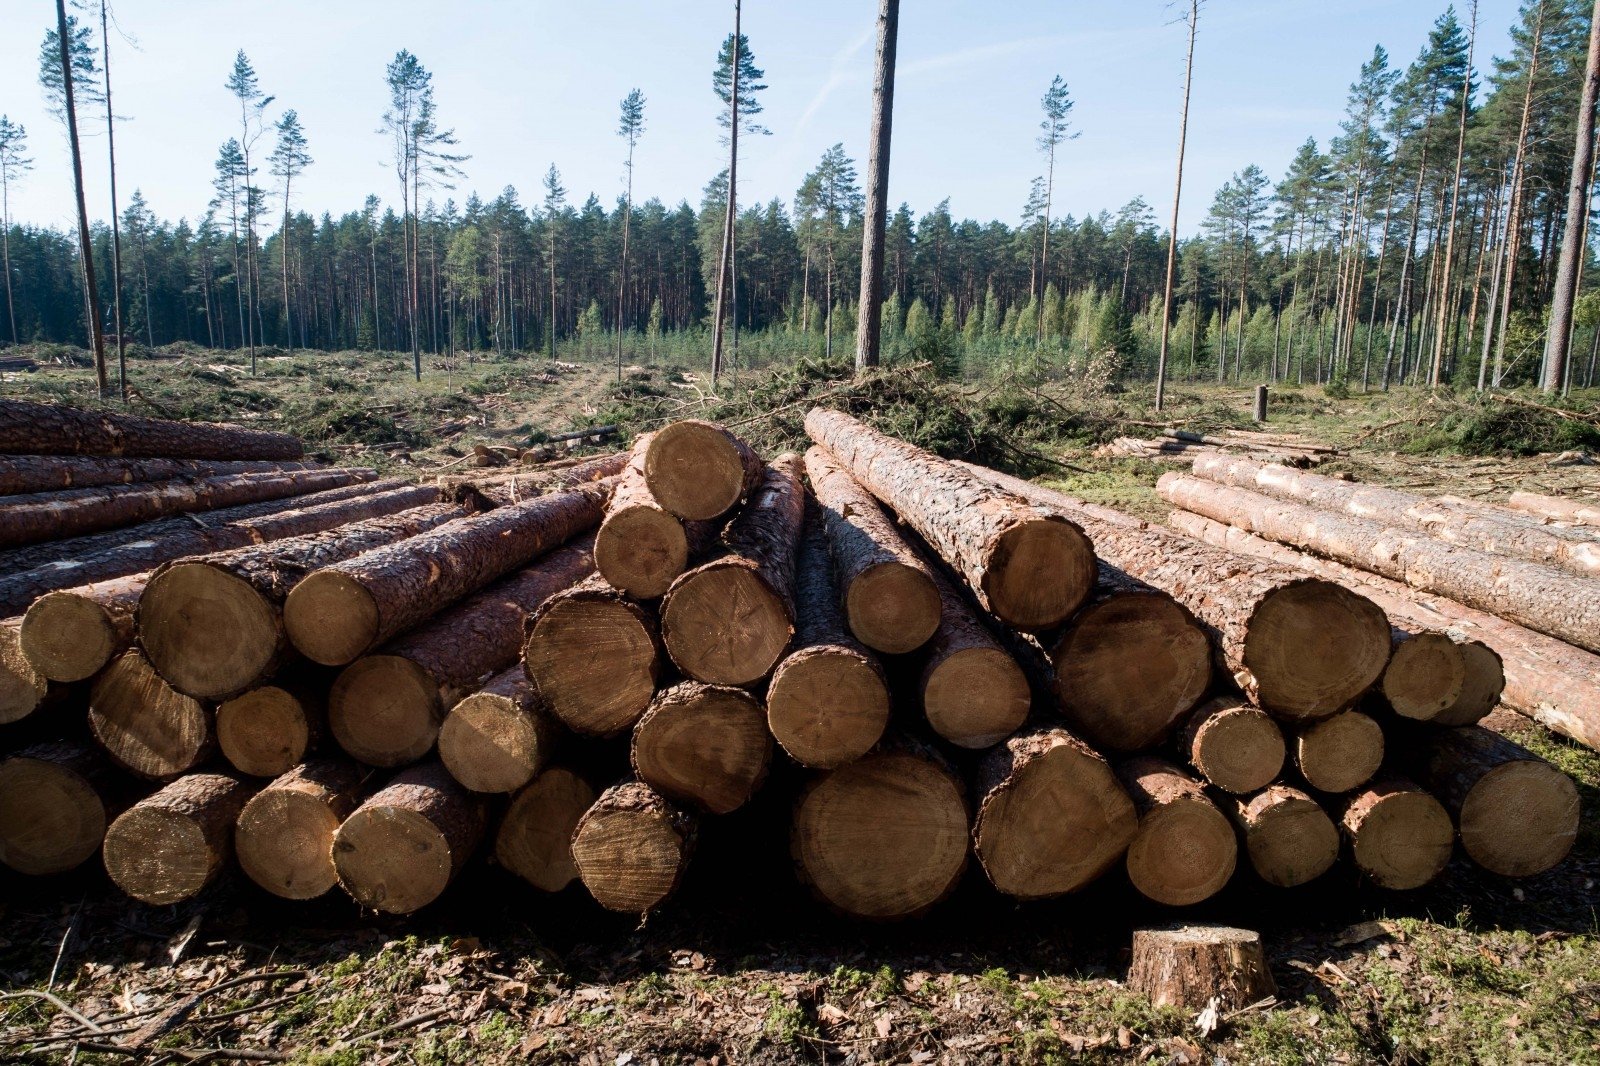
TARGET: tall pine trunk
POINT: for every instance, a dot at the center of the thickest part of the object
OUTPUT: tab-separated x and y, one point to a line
85	247
116	225
869	314
1572	242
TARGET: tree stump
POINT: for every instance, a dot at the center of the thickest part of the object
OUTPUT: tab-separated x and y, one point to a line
1191	966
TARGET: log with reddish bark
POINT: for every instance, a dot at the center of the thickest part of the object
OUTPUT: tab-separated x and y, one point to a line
728	621
1556	508
632	846
1459	522
706	746
143	724
699	470
401	848
484	492
21	474
51	429
1236	747
498	738
534	840
270	729
241	592
572	631
385	708
44	516
1290	839
1199	967
345	610
828	701
170	845
1052	816
1400	836
884	837
973	691
1028	566
70	634
890	602
22	686
1338	754
641	547
1185	849
1298	646
55	800
284	836
1517	814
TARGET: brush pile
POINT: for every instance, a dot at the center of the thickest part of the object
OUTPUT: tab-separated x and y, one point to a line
568	669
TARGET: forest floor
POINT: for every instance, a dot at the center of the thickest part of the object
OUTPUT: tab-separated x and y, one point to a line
742	966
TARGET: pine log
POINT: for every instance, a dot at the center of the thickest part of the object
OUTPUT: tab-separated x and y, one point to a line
1556	508
703	745
890	602
641	547
1299	647
588	624
22	686
498	738
385	709
1185	849
1030	567
699	470
1129	664
1289	838
44	516
170	845
53	813
71	634
269	730
728	621
401	848
241	593
1199	967
534	840
973	691
1426	674
1052	816
828	702
1236	747
1517	814
284	836
631	848
1400	836
1458	522
145	726
345	610
52	429
884	837
1484	685
21	474
484	492
1338	754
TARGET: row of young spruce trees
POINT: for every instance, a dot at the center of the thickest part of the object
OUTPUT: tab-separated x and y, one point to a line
366	686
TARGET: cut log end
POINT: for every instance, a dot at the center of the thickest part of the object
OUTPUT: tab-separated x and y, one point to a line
51	818
568	640
169	846
976	697
493	741
827	705
534	840
1520	818
183	616
892	608
704	745
284	837
696	470
22	686
399	850
1040	572
1185	849
1313	647
67	637
1289	837
724	626
640	550
143	724
1235	746
631	848
384	710
1400	836
331	618
1194	967
264	732
1341	753
1424	677
1485	680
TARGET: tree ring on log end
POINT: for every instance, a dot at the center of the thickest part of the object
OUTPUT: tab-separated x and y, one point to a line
630	860
1241	750
705	746
694	470
976	697
827	706
208	632
490	744
157	856
1480	692
640	550
1520	819
1424	677
67	637
143	724
724	626
384	710
594	663
284	842
331	618
391	859
1313	647
535	836
1292	842
1184	853
1041	571
22	686
51	819
263	732
1341	753
1405	840
892	608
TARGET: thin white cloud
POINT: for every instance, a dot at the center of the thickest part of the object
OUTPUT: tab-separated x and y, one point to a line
841	71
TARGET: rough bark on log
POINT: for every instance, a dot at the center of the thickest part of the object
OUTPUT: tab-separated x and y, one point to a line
343	611
1236	747
51	429
22	686
1290	839
631	848
1052	816
1458	522
485	492
534	840
145	726
973	691
269	730
1400	836
884	837
1425	676
498	738
703	745
1556	508
1517	814
699	470
1185	849
728	621
71	634
1339	754
1030	567
284	836
641	547
1199	966
574	630
400	849
890	602
53	813
1297	646
168	846
20	474
241	592
385	709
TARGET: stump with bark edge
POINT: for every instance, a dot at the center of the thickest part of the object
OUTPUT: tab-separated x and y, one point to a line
1339	754
703	745
168	846
1290	839
699	470
22	686
146	727
52	812
284	836
632	847
1425	676
1052	816
641	547
1236	747
1400	836
1185	849
1193	967
534	840
71	634
401	848
268	730
498	738
973	692
572	631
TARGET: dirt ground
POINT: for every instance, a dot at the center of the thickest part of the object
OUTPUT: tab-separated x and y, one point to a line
742	966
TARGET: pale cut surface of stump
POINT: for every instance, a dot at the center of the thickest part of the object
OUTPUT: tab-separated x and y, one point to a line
1189	967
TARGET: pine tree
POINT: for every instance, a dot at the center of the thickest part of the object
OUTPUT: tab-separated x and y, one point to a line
14	162
289	158
1054	129
245	87
630	128
735	80
555	210
828	202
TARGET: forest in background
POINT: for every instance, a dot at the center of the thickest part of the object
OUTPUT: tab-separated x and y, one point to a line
1419	244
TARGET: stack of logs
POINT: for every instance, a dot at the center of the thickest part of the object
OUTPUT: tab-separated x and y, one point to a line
952	663
1174	444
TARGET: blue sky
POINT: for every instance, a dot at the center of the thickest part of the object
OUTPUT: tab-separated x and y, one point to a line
530	83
